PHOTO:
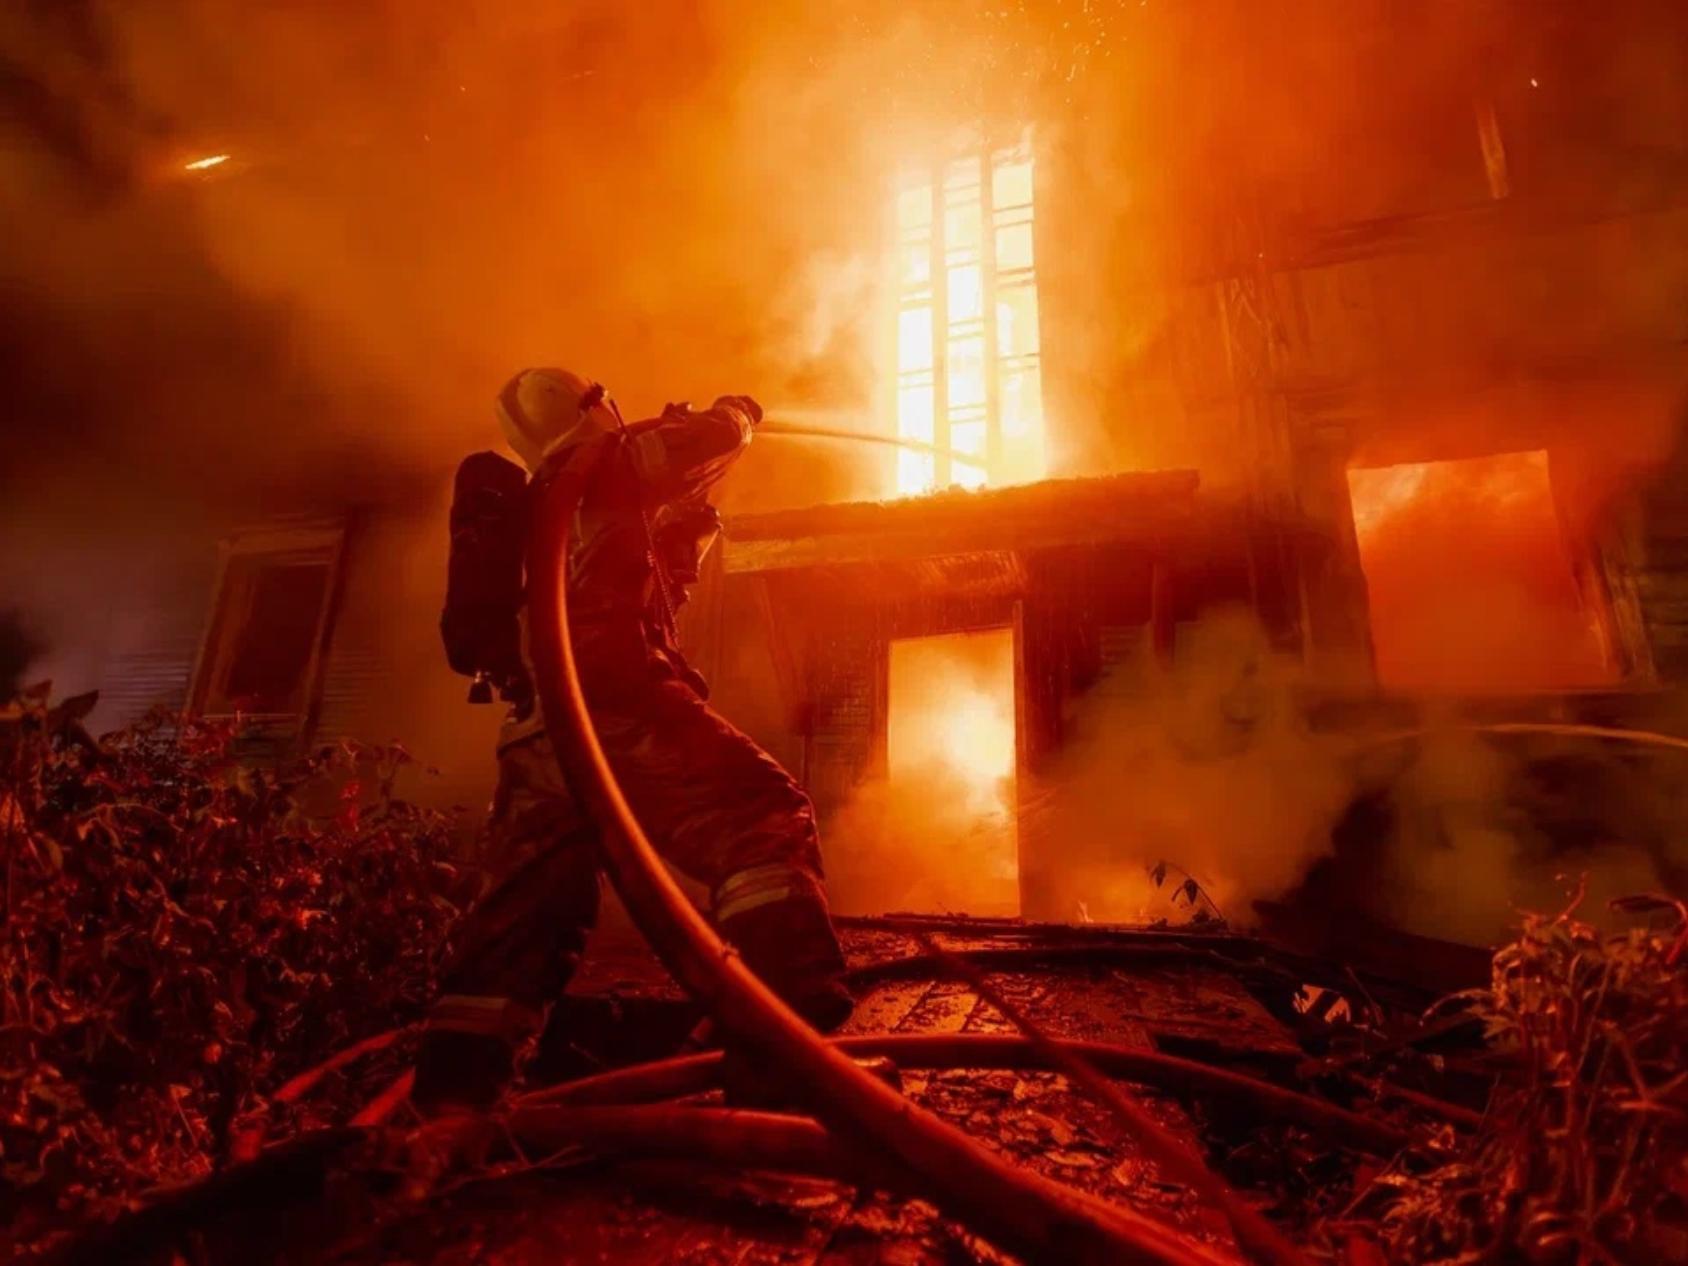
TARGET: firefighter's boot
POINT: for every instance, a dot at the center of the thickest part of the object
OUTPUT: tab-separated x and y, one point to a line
468	1053
514	955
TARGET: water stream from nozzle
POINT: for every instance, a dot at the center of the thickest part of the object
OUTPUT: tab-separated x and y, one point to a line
791	428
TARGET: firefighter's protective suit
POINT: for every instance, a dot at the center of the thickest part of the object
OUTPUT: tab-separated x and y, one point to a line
714	803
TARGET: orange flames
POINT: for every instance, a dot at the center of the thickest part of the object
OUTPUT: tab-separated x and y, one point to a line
968	366
946	714
951	761
1470	580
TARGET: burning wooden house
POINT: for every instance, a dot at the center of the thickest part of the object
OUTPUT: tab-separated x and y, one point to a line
1223	467
1332	400
946	633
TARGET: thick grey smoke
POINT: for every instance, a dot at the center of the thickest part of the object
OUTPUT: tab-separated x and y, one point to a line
1208	767
1486	827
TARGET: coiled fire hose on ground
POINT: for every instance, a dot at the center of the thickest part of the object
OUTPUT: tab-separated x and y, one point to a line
1021	1211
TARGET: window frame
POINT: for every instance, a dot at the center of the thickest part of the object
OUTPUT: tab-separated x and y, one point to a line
315	542
967	180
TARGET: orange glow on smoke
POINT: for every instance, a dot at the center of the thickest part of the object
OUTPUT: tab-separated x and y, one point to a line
951	760
1469	578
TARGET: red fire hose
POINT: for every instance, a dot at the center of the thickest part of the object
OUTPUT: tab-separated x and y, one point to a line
689	1074
1022	1211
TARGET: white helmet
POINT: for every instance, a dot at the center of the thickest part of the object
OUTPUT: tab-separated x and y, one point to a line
541	409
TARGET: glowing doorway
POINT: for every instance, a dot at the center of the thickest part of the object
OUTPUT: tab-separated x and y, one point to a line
951	755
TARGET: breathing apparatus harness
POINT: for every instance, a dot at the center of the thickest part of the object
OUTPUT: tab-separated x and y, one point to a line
485	590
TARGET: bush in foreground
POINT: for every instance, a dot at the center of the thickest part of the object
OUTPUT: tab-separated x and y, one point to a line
182	932
1582	1156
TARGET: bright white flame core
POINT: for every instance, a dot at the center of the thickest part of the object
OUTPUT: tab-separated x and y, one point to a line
951	757
969	378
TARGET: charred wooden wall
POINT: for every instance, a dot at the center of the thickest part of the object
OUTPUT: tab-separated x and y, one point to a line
1083	614
1475	242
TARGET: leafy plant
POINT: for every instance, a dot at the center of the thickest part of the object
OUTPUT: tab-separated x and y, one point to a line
182	933
1191	890
1583	1154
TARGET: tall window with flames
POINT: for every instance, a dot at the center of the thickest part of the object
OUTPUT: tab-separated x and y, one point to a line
969	381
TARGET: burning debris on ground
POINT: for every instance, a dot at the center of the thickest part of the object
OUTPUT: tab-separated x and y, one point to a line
1065	633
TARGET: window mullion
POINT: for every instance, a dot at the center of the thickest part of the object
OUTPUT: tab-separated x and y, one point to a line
987	278
940	333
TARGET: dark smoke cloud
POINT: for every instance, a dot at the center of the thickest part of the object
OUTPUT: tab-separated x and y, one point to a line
19	648
677	197
421	198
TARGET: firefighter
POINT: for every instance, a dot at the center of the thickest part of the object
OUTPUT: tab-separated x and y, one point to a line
714	803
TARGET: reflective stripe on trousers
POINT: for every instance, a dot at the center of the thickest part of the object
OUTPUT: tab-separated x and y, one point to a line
746	890
485	1015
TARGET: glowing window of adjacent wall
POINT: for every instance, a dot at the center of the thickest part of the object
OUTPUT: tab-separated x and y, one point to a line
1470	580
969	374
